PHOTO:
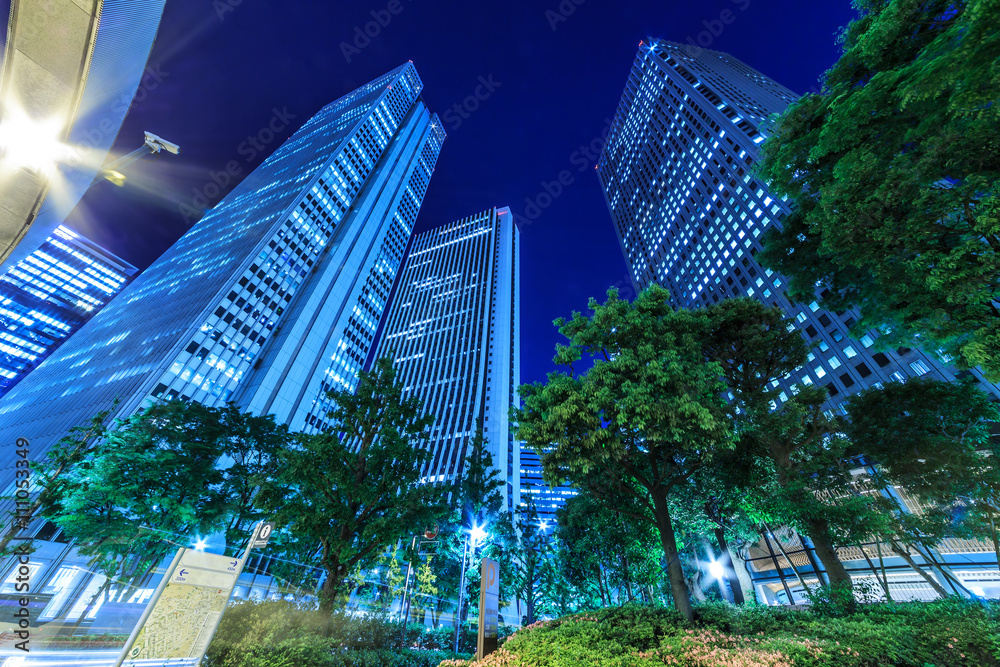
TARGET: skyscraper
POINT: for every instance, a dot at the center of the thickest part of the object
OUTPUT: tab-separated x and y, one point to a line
689	214
274	296
453	334
49	295
547	500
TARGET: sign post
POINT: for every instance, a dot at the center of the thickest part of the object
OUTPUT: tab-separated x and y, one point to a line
182	616
489	596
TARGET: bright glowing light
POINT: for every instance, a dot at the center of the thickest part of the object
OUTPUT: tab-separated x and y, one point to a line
115	177
30	143
478	534
716	570
200	544
545	525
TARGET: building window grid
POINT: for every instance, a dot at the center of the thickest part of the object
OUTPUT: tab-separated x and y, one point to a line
626	167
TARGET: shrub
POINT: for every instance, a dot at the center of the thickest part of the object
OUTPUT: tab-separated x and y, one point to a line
279	633
312	651
945	633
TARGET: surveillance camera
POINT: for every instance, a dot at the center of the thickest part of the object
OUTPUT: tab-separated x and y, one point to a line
156	144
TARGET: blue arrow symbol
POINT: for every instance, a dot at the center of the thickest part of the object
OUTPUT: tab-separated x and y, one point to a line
183	572
235	563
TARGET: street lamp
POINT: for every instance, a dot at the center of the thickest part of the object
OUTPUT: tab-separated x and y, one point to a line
477	535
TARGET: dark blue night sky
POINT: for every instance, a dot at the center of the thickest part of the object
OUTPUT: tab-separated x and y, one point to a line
224	71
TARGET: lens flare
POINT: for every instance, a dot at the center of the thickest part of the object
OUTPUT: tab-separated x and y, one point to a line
29	143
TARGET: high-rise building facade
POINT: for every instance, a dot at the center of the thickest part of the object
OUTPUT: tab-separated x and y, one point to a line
273	297
49	295
677	174
548	500
689	213
452	332
269	301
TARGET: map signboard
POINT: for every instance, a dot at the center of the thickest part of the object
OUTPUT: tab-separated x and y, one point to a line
489	596
188	610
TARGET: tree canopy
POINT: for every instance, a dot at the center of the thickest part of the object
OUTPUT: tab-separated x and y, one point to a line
893	173
641	420
342	496
127	497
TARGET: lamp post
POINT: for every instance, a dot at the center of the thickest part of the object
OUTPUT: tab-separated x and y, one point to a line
476	534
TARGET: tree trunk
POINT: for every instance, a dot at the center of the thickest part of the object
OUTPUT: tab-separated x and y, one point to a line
993	533
600	587
727	565
678	587
827	554
628	582
905	555
881	564
329	593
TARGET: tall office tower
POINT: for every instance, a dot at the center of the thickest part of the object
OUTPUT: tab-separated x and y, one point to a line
273	297
547	500
49	295
689	214
452	332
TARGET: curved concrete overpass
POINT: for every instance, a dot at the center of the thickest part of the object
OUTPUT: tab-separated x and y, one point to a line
72	66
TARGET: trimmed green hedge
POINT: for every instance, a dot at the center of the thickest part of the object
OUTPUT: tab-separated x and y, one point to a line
281	634
944	633
312	651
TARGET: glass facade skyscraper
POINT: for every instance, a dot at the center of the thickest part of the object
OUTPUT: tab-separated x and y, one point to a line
268	301
547	500
452	332
689	214
274	296
49	295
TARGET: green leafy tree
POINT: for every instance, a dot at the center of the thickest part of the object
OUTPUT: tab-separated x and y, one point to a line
796	443
932	439
393	580
610	553
150	481
557	595
811	488
251	448
477	490
52	474
927	436
476	501
342	496
722	491
586	548
426	593
521	547
641	420
893	172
